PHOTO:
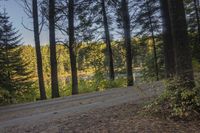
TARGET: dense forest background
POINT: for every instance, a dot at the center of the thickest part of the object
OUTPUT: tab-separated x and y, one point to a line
93	72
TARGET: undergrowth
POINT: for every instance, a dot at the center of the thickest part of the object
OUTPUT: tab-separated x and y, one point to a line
178	101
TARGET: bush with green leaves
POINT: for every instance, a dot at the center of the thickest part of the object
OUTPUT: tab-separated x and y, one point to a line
177	101
148	71
5	97
100	83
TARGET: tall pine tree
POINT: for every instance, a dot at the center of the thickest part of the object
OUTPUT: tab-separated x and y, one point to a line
148	19
14	77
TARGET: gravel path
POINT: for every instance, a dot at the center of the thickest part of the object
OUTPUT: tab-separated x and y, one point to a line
44	116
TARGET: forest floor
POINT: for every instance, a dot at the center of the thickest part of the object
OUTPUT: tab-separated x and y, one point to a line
111	111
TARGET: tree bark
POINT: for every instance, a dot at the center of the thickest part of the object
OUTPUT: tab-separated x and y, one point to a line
53	60
168	40
127	35
108	41
71	48
38	50
183	57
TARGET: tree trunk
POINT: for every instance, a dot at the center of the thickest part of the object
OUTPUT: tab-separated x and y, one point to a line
127	35
183	57
108	42
53	60
71	48
154	43
38	51
168	40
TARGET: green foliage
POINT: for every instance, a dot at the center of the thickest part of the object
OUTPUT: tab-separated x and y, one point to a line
91	61
148	71
27	94
86	86
65	90
91	56
178	101
193	40
5	97
120	82
100	83
14	77
147	17
119	56
191	16
196	68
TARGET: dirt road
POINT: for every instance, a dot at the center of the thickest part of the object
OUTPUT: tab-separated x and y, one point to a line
27	117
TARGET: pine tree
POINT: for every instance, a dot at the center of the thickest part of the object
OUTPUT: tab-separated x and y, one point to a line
148	20
192	14
108	40
74	20
127	35
193	22
14	77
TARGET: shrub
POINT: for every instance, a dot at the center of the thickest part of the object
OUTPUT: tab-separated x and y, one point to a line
177	101
5	97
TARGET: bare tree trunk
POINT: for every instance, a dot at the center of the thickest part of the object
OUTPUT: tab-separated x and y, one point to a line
53	60
38	50
127	35
108	42
71	48
168	40
183	56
